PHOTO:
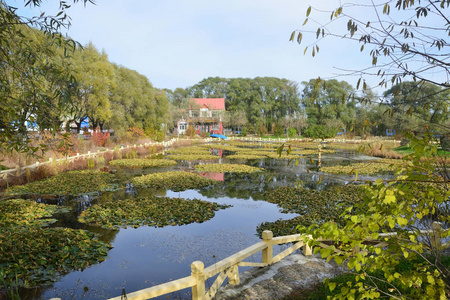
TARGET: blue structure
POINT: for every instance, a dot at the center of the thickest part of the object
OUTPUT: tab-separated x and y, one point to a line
341	132
390	132
221	136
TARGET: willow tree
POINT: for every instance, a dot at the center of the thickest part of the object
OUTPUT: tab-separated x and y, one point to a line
35	80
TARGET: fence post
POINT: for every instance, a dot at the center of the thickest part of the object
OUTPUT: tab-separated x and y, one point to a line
233	276
198	290
436	237
307	250
320	156
267	253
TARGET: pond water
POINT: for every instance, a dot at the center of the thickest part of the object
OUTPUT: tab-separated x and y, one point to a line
147	256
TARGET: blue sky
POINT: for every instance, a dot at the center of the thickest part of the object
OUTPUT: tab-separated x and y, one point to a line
178	43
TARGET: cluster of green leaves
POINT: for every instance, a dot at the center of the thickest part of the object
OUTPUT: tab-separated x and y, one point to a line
39	255
174	180
190	157
418	195
367	168
313	206
69	183
19	212
234	168
31	255
190	150
229	147
152	211
142	163
244	155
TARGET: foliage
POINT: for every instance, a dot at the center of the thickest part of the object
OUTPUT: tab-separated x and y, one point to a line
36	77
153	211
417	196
190	157
32	255
262	130
190	150
69	183
401	44
366	168
314	207
174	180
142	163
278	131
244	155
234	168
292	132
319	132
100	138
39	255
19	212
261	100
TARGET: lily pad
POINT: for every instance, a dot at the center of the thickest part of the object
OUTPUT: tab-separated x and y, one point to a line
143	163
152	211
235	168
174	180
69	183
314	207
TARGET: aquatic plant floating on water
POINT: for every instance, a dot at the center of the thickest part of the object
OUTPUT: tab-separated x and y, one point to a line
142	163
173	180
232	168
69	183
31	255
151	211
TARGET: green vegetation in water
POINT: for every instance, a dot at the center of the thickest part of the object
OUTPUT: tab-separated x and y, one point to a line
232	168
31	255
245	156
19	212
143	163
174	180
366	168
314	207
69	183
192	157
152	211
189	150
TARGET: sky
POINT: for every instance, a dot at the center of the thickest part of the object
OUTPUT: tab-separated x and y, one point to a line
178	43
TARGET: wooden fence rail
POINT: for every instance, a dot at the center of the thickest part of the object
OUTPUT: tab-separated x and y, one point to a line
229	267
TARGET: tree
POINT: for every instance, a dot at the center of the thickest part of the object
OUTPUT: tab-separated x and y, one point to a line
402	42
404	45
327	100
35	78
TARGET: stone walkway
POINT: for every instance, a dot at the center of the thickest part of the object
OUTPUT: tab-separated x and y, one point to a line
280	279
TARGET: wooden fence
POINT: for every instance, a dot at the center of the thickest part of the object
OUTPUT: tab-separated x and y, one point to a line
229	267
17	171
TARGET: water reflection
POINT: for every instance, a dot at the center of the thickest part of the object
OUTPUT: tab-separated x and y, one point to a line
147	256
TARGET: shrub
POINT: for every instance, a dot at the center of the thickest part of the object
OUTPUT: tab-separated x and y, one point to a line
320	131
99	138
292	132
278	130
262	130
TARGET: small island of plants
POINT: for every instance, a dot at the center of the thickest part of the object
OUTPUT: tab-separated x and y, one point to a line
173	180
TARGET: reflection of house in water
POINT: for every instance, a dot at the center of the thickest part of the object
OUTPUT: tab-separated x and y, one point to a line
212	175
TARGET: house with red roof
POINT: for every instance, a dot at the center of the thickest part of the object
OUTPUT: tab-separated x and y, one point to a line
205	115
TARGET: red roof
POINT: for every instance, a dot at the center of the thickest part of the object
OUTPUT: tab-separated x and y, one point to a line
210	103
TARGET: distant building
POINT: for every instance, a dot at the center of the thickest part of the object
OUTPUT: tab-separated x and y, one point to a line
205	115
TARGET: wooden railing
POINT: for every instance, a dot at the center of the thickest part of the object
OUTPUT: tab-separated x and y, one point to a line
229	267
17	171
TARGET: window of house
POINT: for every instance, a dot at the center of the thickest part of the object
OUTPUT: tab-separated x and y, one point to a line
203	112
197	127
